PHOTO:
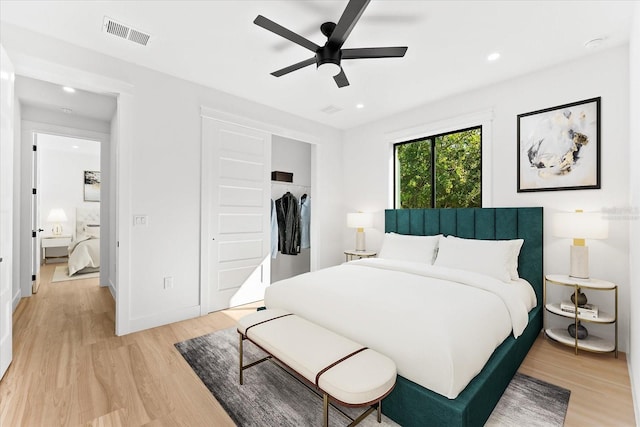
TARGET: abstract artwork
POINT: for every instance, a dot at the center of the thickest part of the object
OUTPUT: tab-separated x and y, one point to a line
559	147
91	186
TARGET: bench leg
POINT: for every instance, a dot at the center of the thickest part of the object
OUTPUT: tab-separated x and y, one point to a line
380	411
240	343
325	417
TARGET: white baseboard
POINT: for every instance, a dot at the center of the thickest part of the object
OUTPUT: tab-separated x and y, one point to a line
142	323
16	300
112	289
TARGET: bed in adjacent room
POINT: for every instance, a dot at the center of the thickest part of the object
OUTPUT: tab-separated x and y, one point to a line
454	299
84	250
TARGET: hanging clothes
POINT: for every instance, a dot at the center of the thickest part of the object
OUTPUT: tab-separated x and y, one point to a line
274	230
288	214
305	221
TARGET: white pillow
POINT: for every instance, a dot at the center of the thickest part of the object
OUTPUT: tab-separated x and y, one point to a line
92	230
409	248
496	258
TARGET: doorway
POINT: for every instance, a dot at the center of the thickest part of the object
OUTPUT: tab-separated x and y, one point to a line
66	206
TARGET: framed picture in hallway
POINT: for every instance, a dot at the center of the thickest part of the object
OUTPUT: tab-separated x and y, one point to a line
559	147
91	186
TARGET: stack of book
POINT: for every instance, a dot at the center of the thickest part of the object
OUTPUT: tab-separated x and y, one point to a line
586	310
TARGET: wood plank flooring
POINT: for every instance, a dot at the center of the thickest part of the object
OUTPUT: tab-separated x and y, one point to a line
69	369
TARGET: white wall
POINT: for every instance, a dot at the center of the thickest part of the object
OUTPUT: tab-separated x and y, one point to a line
162	154
634	231
288	155
367	155
61	169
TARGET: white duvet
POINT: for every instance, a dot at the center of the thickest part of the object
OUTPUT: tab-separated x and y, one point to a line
439	325
84	253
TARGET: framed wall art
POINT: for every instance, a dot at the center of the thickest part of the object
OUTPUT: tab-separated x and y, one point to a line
91	186
559	147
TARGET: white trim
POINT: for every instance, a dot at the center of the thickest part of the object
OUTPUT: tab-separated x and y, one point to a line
16	300
258	125
143	323
112	289
479	118
53	72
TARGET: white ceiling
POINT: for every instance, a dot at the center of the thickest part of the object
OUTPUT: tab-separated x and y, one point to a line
216	44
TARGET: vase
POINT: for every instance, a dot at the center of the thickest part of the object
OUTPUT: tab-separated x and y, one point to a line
582	331
582	298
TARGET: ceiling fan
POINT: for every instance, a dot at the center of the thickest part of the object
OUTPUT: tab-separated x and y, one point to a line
328	57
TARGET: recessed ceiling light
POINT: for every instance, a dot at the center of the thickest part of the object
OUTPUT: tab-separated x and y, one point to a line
66	110
75	146
68	89
594	42
493	56
359	106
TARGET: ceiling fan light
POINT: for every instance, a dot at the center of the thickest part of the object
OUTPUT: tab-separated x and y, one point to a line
329	69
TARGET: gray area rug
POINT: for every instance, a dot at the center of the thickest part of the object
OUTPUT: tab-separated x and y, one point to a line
271	396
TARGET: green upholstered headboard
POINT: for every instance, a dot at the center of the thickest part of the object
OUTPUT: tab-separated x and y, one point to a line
484	224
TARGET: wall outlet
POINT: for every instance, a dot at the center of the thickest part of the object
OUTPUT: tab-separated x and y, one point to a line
168	282
140	220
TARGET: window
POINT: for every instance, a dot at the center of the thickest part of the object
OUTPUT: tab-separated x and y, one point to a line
440	171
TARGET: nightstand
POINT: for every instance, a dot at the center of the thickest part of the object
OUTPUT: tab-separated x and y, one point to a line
350	255
578	314
52	245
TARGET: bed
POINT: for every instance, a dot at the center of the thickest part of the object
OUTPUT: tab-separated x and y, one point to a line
459	390
84	250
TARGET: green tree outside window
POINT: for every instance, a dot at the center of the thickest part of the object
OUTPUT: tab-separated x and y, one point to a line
456	180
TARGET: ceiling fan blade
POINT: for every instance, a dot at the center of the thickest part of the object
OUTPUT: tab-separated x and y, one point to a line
347	21
341	79
278	29
290	68
374	52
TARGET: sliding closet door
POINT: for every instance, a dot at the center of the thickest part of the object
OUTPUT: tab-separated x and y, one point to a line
235	214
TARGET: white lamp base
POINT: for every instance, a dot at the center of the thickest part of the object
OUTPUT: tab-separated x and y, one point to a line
579	262
360	247
57	230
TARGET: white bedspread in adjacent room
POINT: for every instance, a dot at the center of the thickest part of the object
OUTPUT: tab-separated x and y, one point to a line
439	325
84	253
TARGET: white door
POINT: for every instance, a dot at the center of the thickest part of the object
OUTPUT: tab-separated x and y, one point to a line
6	210
236	212
35	220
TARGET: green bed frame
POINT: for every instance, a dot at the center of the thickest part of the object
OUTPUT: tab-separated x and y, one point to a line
412	405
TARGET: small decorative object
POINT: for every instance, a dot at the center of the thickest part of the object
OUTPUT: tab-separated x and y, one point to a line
582	331
282	176
559	147
582	298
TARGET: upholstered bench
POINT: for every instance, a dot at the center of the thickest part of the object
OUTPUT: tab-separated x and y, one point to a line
343	370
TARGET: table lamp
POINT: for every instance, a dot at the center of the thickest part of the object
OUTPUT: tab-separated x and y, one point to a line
57	216
579	226
359	221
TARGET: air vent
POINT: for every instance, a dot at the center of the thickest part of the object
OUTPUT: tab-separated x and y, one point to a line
331	109
124	31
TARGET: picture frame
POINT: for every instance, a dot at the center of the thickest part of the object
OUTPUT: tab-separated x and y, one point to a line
91	186
559	147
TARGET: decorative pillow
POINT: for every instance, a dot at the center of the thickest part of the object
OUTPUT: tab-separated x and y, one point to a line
409	248
496	258
92	230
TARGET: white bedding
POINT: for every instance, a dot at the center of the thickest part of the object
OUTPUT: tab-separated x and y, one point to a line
84	253
439	325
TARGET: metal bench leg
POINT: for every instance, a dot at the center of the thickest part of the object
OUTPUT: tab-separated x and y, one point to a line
326	411
380	411
241	339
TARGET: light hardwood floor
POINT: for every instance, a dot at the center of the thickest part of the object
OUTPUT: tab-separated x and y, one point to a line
69	369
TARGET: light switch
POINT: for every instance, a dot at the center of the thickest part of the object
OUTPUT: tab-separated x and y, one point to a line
140	220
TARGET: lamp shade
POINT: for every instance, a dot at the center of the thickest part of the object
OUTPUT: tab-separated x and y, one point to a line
57	215
359	220
580	225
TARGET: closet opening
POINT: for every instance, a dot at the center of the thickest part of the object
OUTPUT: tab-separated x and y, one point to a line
291	205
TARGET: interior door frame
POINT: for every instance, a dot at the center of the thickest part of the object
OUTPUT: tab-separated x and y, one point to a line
121	136
211	113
